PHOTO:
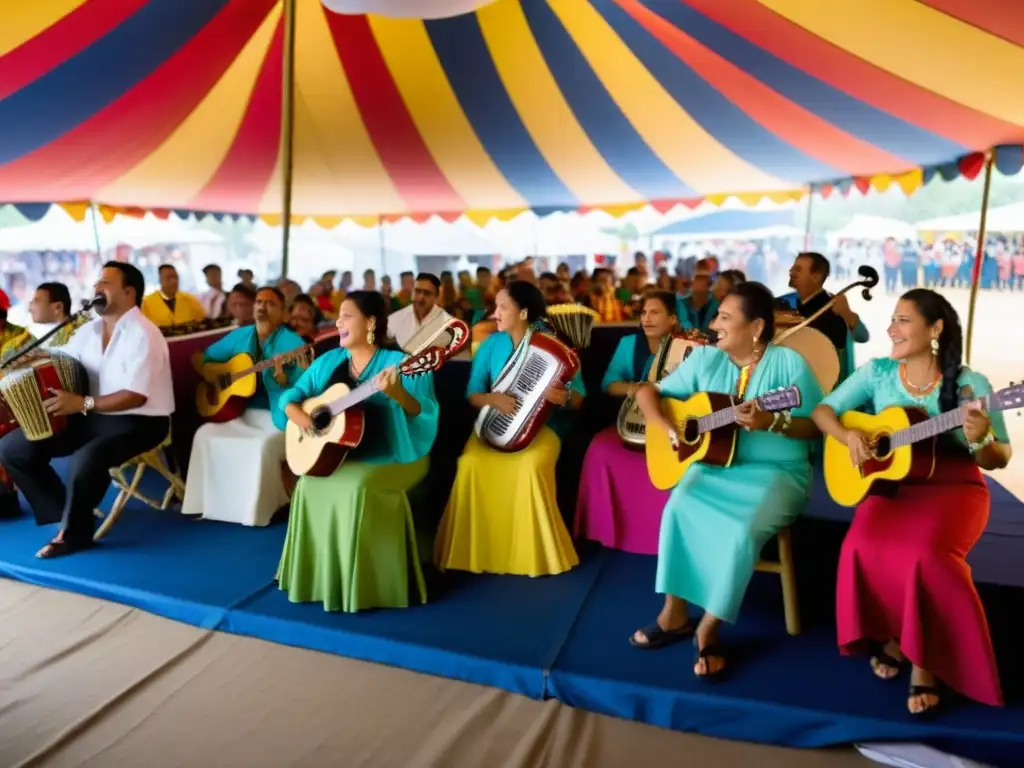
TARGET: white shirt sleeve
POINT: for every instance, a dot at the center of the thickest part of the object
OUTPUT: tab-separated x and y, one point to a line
140	366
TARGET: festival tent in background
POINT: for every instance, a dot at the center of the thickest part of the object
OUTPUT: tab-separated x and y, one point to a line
548	105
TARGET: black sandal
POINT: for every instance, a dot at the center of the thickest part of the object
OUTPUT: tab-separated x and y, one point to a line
883	659
707	653
659	638
926	690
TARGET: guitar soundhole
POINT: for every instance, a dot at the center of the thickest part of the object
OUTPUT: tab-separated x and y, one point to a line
883	446
321	418
691	431
223	381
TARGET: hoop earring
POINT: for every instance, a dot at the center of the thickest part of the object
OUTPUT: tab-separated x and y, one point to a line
935	347
370	328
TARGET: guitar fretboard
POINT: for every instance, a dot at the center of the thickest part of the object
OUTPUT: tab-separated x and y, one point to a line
934	426
716	420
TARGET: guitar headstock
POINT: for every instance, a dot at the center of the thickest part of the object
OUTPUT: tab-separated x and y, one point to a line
780	400
426	361
1009	399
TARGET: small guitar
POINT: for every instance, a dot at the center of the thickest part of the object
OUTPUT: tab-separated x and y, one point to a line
707	430
338	424
903	444
224	388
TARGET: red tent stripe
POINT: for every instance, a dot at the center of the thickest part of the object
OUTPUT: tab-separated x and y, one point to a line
792	123
997	17
851	74
58	43
124	133
402	151
243	175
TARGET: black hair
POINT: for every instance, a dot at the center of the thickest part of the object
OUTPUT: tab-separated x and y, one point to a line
131	277
548	276
527	296
633	272
667	298
245	290
162	267
428	277
757	303
934	307
372	306
274	290
819	264
734	276
483	271
58	293
305	298
209	267
408	273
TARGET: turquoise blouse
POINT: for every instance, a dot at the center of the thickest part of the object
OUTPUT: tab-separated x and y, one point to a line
245	340
709	369
621	366
876	385
392	436
689	317
488	362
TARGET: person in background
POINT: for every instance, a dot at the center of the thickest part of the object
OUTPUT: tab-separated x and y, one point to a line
477	298
725	282
389	296
630	293
369	280
404	296
50	306
564	275
640	262
344	286
602	296
305	317
698	307
247	279
168	306
241	303
290	289
351	541
12	337
323	291
214	300
125	413
413	325
449	299
235	470
553	290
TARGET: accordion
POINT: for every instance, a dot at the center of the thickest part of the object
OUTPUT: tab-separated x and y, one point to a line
539	361
674	350
24	388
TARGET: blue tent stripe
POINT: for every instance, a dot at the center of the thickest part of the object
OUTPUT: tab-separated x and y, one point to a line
729	124
601	118
32	211
467	63
82	86
870	124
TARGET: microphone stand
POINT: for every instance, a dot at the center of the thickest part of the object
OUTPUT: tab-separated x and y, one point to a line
34	345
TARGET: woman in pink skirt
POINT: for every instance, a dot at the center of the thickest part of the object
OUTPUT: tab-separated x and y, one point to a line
617	505
904	590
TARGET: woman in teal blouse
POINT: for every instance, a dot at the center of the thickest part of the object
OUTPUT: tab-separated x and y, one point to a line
351	537
502	515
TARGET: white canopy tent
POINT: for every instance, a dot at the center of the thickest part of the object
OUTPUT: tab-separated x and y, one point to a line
874	228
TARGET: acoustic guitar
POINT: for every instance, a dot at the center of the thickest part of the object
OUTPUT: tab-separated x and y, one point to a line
338	422
224	388
903	444
707	430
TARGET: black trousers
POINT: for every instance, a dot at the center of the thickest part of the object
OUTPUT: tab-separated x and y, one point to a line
96	443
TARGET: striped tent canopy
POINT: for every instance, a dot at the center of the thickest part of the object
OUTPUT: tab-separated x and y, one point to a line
549	105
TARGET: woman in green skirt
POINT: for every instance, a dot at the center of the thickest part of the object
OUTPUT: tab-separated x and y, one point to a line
351	541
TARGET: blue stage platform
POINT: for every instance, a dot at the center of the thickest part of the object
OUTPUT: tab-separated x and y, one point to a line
563	637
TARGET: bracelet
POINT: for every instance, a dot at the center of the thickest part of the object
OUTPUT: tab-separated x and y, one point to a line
787	422
776	418
983	443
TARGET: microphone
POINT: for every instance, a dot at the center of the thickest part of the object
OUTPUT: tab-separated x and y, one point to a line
99	302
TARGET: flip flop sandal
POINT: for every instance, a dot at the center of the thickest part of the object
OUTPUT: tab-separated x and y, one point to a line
707	653
659	638
882	658
926	690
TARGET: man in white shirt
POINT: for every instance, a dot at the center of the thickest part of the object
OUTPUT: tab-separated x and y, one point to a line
214	300
126	412
413	325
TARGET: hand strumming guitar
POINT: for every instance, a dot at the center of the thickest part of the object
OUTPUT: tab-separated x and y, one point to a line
298	417
387	382
752	418
860	447
976	422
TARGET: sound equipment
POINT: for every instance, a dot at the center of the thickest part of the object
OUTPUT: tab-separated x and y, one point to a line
903	443
539	361
574	321
674	349
338	423
707	430
26	386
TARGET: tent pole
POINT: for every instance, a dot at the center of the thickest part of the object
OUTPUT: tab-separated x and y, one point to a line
287	116
979	255
810	215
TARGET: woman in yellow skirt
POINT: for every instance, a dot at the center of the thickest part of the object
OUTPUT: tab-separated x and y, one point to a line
502	515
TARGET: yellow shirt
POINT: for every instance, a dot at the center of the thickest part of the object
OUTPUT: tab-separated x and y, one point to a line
187	309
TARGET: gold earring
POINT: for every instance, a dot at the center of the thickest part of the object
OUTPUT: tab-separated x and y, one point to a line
523	315
935	347
370	328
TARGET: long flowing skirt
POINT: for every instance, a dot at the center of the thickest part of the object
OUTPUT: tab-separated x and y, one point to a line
715	525
502	515
903	574
617	503
234	474
351	540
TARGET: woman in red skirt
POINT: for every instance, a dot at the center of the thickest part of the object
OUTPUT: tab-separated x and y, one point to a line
904	590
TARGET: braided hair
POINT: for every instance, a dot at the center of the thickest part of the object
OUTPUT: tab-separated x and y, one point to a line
934	307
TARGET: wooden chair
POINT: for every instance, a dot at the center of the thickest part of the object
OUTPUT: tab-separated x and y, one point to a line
155	459
786	570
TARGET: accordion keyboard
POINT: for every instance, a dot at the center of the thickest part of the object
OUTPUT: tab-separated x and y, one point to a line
527	385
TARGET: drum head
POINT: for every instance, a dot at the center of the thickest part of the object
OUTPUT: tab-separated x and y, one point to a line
819	353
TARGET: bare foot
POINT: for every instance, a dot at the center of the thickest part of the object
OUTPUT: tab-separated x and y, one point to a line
883	669
920	702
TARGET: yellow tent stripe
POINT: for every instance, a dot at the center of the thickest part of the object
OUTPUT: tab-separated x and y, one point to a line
544	111
683	145
186	161
922	45
336	167
30	19
437	115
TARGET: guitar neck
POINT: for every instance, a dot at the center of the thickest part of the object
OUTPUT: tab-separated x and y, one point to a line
716	420
262	366
933	427
353	398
